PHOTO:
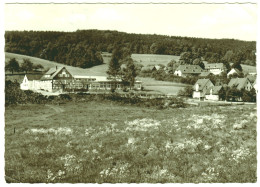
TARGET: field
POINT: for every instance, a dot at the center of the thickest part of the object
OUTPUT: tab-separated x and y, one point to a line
150	59
104	142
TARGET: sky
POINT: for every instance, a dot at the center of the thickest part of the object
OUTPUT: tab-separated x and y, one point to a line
238	21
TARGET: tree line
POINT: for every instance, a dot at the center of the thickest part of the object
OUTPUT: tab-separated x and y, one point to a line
83	48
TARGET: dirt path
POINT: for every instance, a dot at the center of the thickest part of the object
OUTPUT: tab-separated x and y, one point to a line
57	110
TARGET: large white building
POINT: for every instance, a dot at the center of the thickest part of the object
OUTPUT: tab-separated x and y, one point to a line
215	68
61	79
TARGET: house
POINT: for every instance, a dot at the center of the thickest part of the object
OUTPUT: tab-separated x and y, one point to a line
61	79
234	71
186	70
213	93
205	74
200	88
240	83
215	68
30	82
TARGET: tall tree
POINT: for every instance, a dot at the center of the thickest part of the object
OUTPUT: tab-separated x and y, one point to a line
12	65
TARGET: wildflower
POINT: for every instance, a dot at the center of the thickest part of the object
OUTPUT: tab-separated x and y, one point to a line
240	154
142	124
207	147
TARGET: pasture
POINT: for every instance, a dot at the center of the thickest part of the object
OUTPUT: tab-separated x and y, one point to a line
103	142
151	59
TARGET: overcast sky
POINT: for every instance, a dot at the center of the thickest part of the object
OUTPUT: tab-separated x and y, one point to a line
238	21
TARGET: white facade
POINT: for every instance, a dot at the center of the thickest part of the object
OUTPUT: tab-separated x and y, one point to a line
231	72
36	84
216	71
178	73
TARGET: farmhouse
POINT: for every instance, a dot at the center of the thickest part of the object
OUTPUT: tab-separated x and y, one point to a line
186	70
213	93
240	83
200	88
60	79
215	68
31	81
234	71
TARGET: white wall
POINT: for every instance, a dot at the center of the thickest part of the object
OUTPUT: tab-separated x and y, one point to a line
212	97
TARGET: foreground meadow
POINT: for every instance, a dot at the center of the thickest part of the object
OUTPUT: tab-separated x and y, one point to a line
100	142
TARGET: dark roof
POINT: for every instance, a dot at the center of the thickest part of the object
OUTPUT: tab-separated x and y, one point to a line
214	65
205	74
34	77
190	69
202	83
52	72
215	90
239	83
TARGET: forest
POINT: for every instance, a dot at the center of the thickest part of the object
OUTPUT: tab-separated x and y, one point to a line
83	48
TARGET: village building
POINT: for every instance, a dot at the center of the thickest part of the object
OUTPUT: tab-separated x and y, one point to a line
234	71
215	68
200	88
213	93
240	83
61	79
187	70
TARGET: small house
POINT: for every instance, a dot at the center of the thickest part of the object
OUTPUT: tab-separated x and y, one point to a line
213	93
215	68
240	83
187	70
200	88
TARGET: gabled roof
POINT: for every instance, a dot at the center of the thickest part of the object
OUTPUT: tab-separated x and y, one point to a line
215	90
239	83
202	83
52	72
214	65
205	74
190	69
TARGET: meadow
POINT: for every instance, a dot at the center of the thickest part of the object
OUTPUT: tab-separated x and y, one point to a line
106	142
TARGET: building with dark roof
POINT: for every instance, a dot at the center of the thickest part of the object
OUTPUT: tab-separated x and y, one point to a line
213	93
200	88
186	70
240	83
215	68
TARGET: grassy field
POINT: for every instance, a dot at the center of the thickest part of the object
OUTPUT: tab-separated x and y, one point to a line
150	59
106	143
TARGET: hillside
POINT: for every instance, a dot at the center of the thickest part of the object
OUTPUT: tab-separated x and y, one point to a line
82	48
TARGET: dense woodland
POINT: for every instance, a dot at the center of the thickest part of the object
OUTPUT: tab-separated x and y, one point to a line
83	48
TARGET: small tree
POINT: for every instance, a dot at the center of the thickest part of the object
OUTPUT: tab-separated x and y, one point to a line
27	65
12	65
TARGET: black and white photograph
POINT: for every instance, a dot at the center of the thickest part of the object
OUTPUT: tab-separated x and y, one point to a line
131	92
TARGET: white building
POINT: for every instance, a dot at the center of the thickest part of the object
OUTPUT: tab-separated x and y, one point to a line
215	68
